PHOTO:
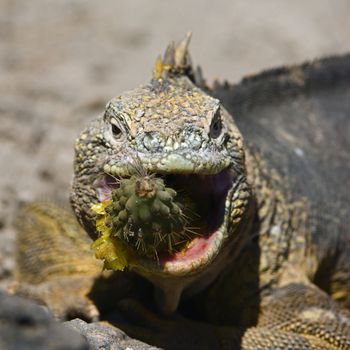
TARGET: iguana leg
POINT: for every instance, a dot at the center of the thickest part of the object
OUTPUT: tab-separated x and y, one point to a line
66	296
299	316
54	262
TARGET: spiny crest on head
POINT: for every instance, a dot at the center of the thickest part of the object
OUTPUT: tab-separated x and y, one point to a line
176	61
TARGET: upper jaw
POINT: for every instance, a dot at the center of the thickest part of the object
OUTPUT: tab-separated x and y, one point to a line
204	163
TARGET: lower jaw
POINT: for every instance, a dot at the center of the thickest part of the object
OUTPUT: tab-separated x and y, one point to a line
197	255
200	252
182	274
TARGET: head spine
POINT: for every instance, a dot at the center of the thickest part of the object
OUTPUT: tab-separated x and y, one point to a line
175	62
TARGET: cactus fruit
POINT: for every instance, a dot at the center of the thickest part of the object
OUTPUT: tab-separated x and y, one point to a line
146	216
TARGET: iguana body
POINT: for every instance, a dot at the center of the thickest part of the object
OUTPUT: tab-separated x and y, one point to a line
274	201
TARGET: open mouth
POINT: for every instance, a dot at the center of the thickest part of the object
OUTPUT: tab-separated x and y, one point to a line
203	200
208	194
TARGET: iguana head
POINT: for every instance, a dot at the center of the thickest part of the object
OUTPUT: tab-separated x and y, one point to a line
180	133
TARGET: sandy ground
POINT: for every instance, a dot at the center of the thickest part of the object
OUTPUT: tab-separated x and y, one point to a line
61	61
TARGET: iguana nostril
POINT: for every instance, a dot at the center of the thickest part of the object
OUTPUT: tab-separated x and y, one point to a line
153	141
192	138
195	141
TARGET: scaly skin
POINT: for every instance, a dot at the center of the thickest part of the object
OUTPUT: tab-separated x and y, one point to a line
260	252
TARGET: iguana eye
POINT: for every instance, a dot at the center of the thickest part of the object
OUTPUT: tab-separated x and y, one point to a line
216	126
116	130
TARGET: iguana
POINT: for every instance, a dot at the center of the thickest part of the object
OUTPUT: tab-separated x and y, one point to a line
265	165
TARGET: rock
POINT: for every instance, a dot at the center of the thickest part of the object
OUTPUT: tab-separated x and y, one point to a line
27	326
104	337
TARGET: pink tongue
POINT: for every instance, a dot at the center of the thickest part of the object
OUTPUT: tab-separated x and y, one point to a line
196	249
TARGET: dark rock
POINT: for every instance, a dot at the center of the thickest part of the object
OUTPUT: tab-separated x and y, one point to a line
104	337
27	326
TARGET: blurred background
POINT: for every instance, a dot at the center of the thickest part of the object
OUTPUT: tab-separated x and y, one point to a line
61	61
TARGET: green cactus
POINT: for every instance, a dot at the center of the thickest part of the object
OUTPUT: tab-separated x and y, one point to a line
147	215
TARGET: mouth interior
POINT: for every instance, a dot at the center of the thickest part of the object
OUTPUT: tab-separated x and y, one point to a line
208	195
205	213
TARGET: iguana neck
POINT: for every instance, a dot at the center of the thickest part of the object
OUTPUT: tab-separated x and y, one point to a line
278	217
